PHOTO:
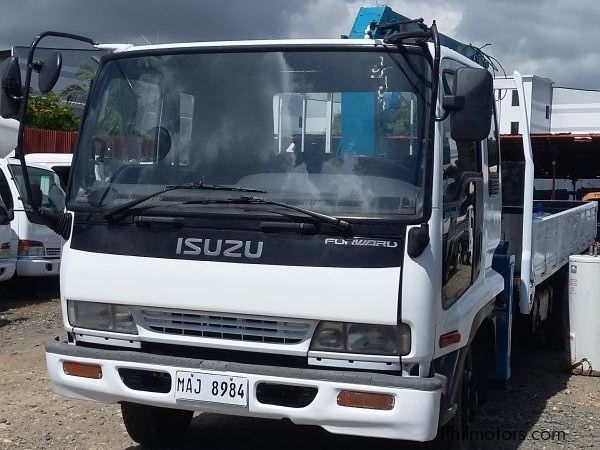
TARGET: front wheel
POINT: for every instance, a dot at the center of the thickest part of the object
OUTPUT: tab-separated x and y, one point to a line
455	434
151	425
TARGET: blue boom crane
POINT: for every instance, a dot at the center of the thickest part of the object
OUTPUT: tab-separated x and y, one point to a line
369	20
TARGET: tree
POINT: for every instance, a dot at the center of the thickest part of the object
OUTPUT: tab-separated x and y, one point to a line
49	113
397	116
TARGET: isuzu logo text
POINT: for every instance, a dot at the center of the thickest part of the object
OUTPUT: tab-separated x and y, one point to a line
229	248
362	242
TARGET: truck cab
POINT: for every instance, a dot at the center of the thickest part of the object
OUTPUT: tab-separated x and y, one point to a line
268	224
299	229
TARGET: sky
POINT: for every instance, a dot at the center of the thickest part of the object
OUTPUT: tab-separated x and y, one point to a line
559	39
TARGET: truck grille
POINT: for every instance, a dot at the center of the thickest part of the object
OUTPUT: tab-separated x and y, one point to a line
53	252
230	327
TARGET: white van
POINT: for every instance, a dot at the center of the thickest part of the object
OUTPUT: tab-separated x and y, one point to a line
37	247
8	253
58	162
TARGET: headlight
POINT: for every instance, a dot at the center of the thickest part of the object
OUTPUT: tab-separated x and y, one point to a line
5	250
101	316
362	338
31	248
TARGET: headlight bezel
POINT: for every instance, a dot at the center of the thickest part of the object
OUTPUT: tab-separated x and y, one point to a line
98	316
395	340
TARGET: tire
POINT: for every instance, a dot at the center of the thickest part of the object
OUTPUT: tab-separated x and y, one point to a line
455	434
153	426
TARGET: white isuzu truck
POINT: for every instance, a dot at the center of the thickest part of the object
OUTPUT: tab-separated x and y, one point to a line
300	229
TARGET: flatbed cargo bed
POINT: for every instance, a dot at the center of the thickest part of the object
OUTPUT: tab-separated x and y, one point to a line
559	229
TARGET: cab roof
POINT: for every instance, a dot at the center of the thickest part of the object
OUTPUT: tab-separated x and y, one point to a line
253	43
275	43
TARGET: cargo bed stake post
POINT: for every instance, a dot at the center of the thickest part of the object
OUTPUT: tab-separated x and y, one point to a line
525	287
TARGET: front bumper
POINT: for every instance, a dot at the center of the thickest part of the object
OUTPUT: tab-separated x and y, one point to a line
7	269
413	417
37	267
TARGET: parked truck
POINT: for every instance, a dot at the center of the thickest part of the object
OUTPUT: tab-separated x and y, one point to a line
264	231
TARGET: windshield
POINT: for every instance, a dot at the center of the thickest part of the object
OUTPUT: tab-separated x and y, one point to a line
45	186
339	132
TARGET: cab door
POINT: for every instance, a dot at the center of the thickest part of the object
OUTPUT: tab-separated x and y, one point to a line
463	191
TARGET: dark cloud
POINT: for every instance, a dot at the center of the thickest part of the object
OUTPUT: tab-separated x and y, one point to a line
155	20
554	38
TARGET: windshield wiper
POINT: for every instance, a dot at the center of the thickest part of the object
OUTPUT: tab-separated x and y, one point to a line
249	200
117	211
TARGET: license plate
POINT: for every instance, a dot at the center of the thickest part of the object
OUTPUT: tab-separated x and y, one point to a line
211	387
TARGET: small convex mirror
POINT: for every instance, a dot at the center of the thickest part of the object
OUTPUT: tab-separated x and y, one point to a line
11	89
49	71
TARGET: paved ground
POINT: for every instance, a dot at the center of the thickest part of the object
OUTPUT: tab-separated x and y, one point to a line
540	400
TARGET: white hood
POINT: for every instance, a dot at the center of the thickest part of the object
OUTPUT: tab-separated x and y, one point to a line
366	295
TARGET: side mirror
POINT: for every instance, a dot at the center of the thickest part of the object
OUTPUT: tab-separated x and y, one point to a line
11	89
470	104
6	215
48	71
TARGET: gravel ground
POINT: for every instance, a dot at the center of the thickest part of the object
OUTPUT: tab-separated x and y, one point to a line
541	400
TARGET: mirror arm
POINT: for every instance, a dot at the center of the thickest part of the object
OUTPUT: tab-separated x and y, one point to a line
37	66
19	153
451	103
437	56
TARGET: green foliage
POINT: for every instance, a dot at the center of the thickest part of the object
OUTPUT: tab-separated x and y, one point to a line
395	120
49	113
400	125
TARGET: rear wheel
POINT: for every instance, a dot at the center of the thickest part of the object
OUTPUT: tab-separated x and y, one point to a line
153	426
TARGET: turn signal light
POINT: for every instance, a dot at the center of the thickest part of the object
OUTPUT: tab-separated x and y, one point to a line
82	370
449	338
367	400
30	248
